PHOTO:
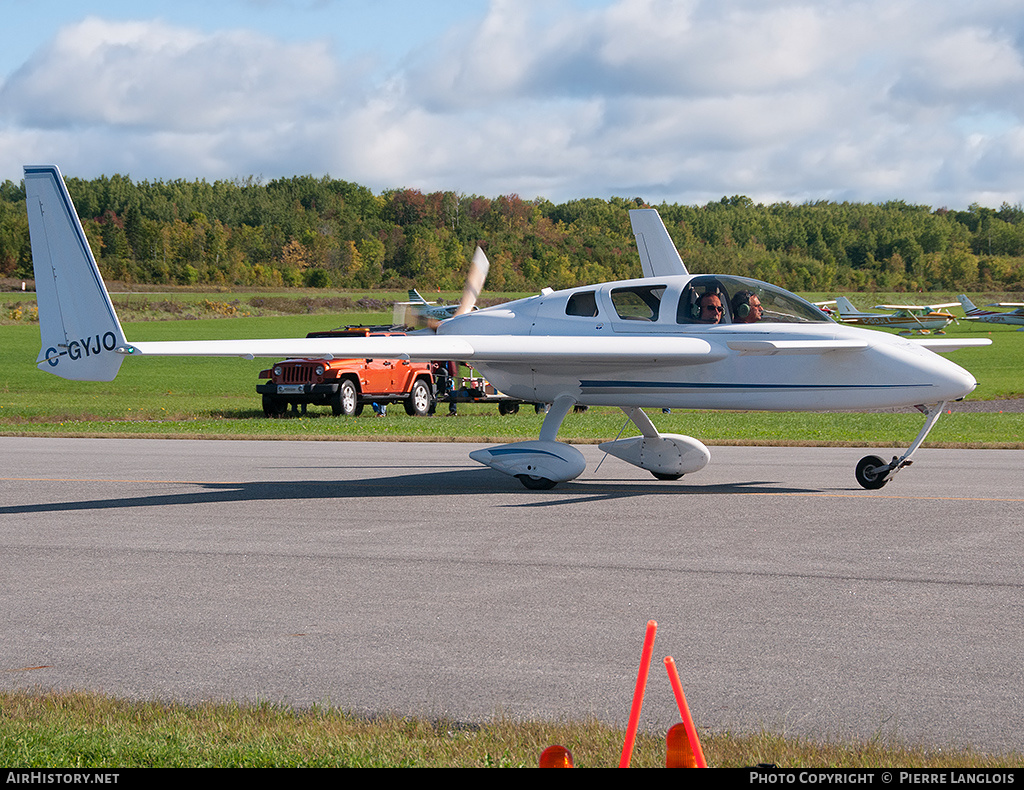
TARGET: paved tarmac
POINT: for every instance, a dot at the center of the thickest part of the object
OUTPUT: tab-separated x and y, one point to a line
387	577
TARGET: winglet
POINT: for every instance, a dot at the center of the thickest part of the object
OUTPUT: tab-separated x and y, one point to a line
658	255
79	328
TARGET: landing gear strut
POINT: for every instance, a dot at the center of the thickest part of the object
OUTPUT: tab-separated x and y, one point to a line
873	473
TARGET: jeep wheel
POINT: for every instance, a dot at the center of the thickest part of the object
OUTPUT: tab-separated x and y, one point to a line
345	400
507	407
274	407
419	401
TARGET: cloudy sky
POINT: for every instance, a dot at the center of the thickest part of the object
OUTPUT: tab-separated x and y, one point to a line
676	100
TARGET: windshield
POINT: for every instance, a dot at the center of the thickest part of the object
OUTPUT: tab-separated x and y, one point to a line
721	299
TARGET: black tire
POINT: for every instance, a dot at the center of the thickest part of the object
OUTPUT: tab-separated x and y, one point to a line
274	407
536	483
420	400
871	471
664	476
507	407
346	400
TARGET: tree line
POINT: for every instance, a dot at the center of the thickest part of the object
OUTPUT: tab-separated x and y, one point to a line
328	233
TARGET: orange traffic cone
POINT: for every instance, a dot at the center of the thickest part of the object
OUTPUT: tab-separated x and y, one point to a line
556	757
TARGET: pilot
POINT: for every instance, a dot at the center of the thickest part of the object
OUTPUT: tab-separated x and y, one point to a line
746	308
710	308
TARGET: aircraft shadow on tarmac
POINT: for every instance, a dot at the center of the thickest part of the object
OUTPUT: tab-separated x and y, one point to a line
483	482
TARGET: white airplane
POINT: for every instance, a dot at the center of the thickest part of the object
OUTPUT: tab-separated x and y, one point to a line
419	312
666	340
907	318
1015	316
430	310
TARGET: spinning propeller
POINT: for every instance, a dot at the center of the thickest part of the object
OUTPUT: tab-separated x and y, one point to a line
478	268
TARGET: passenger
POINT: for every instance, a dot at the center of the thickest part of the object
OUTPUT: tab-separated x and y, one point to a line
746	308
710	309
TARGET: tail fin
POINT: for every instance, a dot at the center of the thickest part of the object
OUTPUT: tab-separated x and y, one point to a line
658	255
967	304
77	322
845	307
415	298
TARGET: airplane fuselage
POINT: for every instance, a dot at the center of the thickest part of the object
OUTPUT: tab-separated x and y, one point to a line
924	322
794	358
1011	319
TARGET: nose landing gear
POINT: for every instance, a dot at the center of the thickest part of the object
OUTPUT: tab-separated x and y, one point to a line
873	473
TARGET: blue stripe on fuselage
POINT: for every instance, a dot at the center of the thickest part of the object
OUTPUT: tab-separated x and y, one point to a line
595	386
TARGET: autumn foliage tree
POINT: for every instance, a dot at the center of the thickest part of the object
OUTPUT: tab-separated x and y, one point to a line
324	232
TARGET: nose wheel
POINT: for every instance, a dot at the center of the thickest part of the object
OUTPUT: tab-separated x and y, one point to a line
873	473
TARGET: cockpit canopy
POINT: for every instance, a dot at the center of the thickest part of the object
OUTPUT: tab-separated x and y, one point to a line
725	299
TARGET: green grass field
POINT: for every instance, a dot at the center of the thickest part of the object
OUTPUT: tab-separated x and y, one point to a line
216	397
80	730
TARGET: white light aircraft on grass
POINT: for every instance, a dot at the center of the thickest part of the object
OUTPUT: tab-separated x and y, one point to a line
907	318
1014	316
666	340
430	311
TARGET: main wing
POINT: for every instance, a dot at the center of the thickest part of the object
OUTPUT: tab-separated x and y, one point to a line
920	308
1018	305
465	348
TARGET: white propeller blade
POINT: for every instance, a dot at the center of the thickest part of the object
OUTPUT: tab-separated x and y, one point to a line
478	269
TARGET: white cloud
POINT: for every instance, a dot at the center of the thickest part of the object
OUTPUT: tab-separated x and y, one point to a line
965	67
682	100
155	76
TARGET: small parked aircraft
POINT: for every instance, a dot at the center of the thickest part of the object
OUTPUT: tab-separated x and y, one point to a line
419	312
1015	316
667	340
907	318
430	310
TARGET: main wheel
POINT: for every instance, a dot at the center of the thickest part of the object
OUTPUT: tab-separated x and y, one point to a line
871	472
665	476
345	400
419	400
536	483
507	407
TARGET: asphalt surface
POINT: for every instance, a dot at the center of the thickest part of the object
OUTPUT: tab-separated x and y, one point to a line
384	577
1008	405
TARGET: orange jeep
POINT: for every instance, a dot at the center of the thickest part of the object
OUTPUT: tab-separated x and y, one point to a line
347	384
